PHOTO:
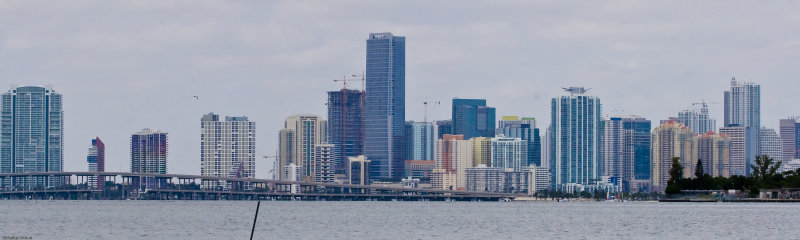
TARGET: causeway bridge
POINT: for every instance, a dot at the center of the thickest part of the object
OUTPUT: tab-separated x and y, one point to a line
149	186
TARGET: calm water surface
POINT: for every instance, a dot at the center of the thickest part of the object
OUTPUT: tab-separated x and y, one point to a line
397	220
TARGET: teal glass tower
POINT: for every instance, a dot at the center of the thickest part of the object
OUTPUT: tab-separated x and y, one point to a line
574	139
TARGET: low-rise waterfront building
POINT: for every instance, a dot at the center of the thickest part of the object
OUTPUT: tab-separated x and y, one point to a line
358	173
443	179
484	179
516	181
419	168
539	179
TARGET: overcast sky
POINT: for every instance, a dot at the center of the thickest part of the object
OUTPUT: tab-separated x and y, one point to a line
127	65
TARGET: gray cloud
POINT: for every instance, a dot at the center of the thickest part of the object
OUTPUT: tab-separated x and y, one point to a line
127	65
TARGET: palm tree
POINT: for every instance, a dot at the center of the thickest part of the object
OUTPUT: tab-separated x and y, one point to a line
765	168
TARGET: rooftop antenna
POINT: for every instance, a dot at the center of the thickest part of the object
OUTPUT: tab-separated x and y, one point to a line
426	111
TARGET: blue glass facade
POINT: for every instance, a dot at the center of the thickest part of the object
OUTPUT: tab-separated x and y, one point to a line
640	139
797	139
443	127
384	122
472	118
535	152
626	150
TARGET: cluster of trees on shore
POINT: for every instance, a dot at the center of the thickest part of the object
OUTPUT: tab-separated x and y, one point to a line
765	175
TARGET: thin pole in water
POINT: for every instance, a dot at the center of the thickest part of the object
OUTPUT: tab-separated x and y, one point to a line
254	221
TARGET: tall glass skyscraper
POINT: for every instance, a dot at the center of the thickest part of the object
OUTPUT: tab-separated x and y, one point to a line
31	135
574	141
626	151
472	118
384	123
743	105
743	109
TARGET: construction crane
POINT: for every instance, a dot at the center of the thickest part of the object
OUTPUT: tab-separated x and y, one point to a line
704	105
274	165
363	80
703	102
344	81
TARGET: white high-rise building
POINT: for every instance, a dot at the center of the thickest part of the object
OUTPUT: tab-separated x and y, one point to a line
31	136
575	138
509	153
697	119
770	144
227	149
743	109
743	105
324	163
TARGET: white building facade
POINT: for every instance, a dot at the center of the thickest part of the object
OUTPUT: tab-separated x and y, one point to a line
227	149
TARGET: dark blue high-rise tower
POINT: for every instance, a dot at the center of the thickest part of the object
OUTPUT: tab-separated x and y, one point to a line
472	118
384	122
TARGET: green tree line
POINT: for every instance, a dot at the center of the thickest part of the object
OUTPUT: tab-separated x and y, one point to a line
765	175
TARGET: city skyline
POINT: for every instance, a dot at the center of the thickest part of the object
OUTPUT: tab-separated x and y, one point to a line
85	77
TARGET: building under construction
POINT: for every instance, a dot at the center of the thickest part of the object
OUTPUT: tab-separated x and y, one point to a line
346	125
